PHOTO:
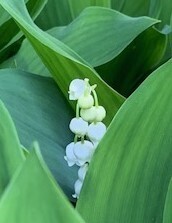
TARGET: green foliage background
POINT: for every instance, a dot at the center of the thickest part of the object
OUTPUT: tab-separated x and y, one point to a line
125	48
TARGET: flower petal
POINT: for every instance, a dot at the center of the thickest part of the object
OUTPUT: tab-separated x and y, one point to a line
78	126
77	187
82	172
76	89
70	156
84	151
96	131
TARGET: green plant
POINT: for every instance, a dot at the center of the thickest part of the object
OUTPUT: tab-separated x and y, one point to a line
128	56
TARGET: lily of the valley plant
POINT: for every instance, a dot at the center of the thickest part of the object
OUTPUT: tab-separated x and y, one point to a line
85	111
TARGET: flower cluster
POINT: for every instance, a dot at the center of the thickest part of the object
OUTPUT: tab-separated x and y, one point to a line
87	127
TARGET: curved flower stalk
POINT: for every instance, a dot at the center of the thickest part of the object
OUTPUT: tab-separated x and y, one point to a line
87	127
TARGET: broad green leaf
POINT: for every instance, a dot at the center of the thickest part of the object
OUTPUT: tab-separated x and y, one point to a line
129	175
167	217
86	40
11	155
40	112
63	63
155	8
62	12
33	196
132	7
10	37
165	13
143	54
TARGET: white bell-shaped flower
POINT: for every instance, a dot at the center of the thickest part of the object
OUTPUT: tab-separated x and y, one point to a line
82	172
88	115
83	152
100	113
78	126
77	187
76	89
96	131
86	101
70	156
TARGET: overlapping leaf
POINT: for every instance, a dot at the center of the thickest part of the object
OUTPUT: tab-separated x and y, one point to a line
33	196
62	12
129	175
167	217
40	112
63	63
143	54
11	156
105	32
10	36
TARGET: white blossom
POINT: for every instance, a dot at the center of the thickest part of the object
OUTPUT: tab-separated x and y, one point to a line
76	89
78	126
88	115
77	187
86	101
70	156
96	131
93	114
83	152
100	113
82	172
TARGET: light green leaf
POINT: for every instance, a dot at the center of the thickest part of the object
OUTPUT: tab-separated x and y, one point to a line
62	12
167	217
11	156
33	196
129	175
63	63
40	112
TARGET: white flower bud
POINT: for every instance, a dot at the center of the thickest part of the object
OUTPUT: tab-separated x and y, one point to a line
96	131
76	89
77	187
100	113
82	172
86	101
89	114
78	126
83	152
70	156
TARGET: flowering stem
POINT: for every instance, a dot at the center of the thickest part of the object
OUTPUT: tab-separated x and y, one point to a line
95	98
77	110
82	139
75	139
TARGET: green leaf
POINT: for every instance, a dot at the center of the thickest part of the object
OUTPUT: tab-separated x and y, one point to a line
167	217
11	156
143	54
86	41
129	175
33	196
40	112
10	38
62	12
131	7
63	63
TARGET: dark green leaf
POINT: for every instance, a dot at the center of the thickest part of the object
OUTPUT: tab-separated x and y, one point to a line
40	112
